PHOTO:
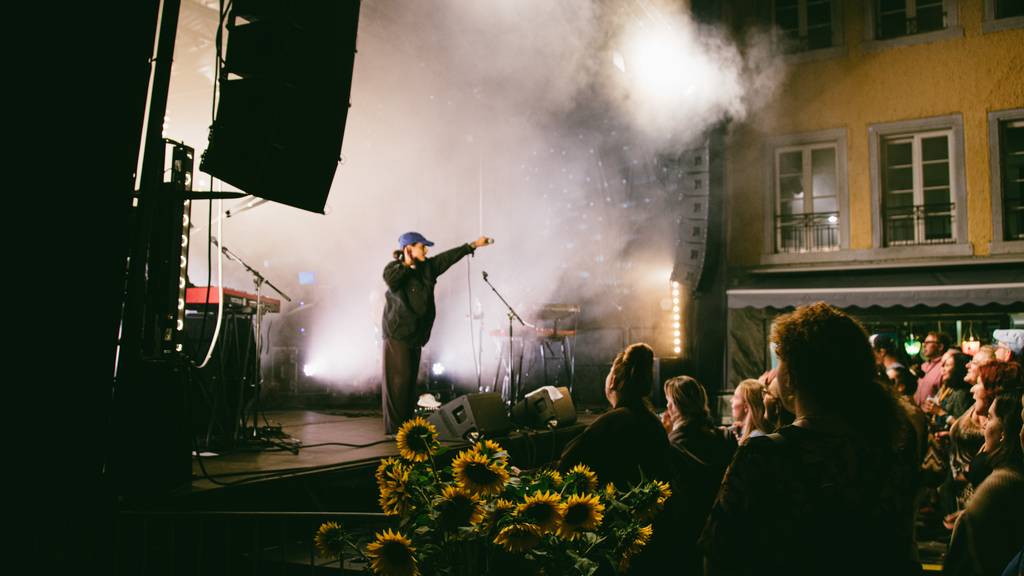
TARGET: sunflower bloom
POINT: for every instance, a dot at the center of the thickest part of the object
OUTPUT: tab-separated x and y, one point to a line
664	493
492	450
417	440
329	540
582	477
476	473
519	537
543	509
633	544
458	507
609	490
386	466
580	513
395	496
547	480
502	508
392	554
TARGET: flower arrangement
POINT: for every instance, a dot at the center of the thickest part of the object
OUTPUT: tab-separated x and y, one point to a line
480	515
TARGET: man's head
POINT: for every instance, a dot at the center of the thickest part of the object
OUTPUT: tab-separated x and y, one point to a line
934	345
414	244
1009	344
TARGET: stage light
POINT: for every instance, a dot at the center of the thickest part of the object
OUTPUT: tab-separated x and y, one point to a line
309	370
970	347
677	349
833	219
660	61
912	345
437	369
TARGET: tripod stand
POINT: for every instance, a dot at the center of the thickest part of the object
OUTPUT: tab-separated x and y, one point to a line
513	385
247	433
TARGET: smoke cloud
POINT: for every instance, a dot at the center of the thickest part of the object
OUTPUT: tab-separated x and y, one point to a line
537	123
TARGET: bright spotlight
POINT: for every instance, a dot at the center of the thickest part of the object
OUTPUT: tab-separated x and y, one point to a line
438	369
657	58
309	370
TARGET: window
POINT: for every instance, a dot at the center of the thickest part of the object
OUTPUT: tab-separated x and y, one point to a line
892	23
805	203
1008	8
806	24
917	204
1006	141
806	199
895	18
1003	15
918	187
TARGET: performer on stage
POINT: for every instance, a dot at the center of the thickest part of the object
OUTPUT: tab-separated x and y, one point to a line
408	318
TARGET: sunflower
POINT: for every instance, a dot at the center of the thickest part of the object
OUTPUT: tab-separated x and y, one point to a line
664	492
417	440
502	509
458	507
543	509
546	480
392	554
580	513
491	450
582	478
634	543
329	540
519	537
395	494
474	472
637	540
609	490
386	465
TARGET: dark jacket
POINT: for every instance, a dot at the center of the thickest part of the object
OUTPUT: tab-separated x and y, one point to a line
409	311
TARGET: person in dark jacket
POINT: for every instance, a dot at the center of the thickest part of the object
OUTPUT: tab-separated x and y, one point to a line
409	313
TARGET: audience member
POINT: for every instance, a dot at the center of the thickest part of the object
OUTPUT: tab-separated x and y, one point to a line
934	346
990	531
833	493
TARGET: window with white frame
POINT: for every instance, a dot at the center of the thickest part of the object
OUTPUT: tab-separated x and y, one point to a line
1011	177
896	18
806	198
1007	8
917	189
806	24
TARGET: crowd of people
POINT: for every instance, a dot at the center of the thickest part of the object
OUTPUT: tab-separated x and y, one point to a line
831	458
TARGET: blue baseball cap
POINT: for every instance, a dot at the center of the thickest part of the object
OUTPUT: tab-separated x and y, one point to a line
413	238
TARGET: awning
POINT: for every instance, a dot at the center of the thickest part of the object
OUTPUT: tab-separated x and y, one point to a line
884	296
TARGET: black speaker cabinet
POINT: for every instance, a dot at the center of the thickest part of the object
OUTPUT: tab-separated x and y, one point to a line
481	413
544	405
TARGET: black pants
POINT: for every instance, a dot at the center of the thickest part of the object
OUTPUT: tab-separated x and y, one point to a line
398	391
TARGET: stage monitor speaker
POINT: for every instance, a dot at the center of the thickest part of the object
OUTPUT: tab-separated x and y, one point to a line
481	413
284	99
544	405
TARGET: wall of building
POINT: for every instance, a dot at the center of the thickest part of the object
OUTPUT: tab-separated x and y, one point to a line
969	75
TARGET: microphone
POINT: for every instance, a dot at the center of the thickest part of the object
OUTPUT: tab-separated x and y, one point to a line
490	240
485	275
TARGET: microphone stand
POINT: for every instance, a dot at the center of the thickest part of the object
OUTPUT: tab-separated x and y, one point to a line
512	315
259	280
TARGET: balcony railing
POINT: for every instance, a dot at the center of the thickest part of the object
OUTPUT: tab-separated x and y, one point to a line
816	232
917	225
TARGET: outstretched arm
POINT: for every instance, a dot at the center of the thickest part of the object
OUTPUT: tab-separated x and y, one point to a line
446	259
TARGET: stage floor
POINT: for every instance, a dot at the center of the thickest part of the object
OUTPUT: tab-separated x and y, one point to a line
326	440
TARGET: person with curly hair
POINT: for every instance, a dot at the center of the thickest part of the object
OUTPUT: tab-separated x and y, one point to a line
832	493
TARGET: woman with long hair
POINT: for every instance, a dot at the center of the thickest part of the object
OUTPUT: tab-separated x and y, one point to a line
748	411
833	493
990	531
987	377
699	457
